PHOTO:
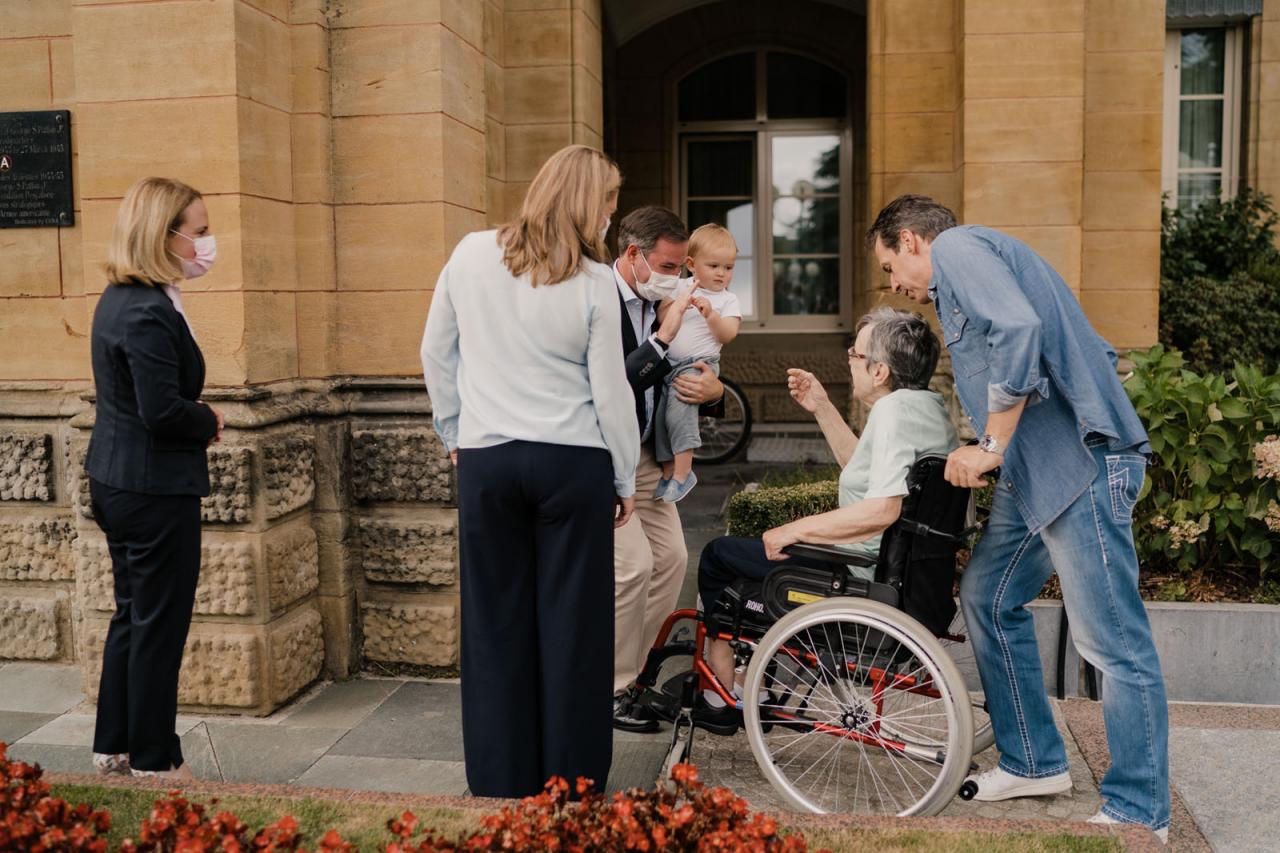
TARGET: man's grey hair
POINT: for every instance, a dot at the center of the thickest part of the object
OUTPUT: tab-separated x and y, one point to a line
903	342
645	226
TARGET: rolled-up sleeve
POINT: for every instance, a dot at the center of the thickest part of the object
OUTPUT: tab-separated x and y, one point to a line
440	363
610	392
988	293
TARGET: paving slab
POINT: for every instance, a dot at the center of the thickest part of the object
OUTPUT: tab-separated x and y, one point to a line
253	752
396	775
420	720
14	725
1226	777
77	730
636	762
341	704
40	688
56	757
197	752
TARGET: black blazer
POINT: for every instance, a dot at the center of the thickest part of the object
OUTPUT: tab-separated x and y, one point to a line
150	435
645	368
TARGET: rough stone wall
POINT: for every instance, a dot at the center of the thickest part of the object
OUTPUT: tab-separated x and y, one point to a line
37	529
404	543
406	633
29	628
39	549
400	465
409	552
25	467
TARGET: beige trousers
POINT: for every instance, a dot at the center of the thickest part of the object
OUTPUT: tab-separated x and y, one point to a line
649	562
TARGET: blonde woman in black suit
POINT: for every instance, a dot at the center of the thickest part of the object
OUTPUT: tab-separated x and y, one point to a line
148	468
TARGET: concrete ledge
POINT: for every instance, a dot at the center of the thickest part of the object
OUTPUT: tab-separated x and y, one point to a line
1210	652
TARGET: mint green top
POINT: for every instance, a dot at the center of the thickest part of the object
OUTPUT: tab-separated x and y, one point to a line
902	426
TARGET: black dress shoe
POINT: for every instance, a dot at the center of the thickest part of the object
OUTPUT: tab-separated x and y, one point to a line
724	720
630	716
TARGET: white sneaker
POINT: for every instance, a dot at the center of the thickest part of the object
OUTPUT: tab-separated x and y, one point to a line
1102	817
998	784
111	764
183	772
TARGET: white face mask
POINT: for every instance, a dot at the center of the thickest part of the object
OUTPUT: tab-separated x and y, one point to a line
658	286
206	254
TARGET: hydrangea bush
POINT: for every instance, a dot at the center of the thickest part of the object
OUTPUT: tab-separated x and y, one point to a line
1211	501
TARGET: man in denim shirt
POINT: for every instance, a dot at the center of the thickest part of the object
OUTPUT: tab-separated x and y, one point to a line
1040	387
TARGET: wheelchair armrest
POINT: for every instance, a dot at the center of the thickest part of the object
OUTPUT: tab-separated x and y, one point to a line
827	554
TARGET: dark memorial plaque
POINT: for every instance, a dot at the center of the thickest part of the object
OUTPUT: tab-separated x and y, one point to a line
35	169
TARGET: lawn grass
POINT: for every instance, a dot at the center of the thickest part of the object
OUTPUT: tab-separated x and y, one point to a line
364	824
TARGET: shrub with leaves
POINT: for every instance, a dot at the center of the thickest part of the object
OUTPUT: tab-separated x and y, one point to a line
686	817
1212	497
1220	283
31	819
752	513
178	824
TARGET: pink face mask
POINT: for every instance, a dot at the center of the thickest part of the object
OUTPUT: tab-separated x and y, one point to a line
206	254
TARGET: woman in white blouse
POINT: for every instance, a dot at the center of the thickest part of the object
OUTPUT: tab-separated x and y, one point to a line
524	365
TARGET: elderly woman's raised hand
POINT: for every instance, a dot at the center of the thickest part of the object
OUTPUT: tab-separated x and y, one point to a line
806	389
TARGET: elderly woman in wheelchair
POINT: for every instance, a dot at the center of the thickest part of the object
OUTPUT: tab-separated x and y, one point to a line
855	703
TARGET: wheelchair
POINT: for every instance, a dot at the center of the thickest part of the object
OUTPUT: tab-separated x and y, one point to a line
862	695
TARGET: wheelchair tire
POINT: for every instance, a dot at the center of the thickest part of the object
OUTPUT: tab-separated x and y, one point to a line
724	438
956	644
826	751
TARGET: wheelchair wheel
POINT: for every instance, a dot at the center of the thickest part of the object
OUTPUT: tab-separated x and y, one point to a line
724	437
828	749
956	644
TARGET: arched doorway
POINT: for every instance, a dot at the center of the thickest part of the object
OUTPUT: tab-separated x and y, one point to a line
752	114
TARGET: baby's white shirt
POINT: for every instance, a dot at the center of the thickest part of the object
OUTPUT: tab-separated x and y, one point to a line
695	338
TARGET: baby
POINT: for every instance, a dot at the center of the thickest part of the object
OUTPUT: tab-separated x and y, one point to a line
710	322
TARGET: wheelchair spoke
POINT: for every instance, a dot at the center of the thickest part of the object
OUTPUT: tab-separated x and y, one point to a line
878	698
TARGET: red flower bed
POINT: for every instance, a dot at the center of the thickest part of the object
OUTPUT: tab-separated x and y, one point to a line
687	816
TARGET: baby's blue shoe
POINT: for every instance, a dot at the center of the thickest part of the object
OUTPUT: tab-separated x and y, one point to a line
660	492
678	490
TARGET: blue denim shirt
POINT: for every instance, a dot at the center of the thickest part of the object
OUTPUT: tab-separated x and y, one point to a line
1015	330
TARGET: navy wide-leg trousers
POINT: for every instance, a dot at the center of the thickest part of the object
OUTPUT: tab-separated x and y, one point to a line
536	554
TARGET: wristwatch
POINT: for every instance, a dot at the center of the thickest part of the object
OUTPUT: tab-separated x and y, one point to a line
989	444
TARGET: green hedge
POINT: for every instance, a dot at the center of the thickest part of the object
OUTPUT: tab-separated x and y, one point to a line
752	513
1220	284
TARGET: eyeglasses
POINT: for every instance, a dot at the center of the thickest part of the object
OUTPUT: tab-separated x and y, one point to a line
853	355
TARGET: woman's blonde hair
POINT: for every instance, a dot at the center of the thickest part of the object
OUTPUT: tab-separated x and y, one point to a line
150	209
562	216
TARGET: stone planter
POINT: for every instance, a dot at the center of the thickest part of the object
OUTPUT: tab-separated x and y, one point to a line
1210	652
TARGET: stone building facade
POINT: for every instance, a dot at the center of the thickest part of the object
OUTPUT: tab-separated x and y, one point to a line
344	146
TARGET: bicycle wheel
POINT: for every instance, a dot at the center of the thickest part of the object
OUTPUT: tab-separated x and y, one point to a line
828	749
725	437
956	644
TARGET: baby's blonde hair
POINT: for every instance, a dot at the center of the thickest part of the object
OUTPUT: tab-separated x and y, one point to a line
710	236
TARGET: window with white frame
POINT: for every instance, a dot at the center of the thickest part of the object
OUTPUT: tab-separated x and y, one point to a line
762	139
1202	112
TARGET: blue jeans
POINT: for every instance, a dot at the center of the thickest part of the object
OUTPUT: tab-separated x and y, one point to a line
1090	546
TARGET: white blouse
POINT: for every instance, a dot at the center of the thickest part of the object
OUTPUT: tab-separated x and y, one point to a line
506	361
